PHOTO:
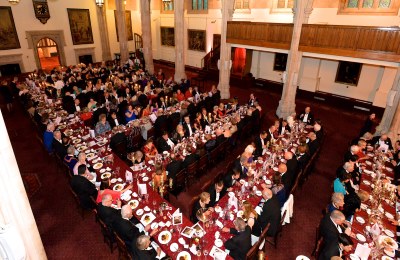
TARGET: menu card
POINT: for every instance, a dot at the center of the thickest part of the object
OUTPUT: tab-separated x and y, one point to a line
142	188
362	251
128	176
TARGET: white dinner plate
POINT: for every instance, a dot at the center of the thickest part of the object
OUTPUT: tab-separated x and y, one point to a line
134	204
360	220
164	237
139	212
385	257
147	218
354	257
97	166
183	255
390	253
145	178
361	238
258	193
174	247
105	175
388	233
118	187
388	215
366	182
218	242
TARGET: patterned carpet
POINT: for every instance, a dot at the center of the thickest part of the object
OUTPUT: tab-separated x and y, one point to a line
66	236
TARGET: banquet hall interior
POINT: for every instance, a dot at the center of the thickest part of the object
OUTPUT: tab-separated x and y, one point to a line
341	58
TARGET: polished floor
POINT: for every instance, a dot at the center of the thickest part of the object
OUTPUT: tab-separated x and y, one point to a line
66	236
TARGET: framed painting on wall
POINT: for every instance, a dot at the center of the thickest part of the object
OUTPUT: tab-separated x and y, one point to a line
280	61
128	23
167	36
8	33
81	27
197	40
348	73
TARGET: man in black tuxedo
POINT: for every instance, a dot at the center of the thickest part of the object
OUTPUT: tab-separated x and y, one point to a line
144	251
220	136
241	164
345	244
260	144
271	213
307	117
287	177
187	126
240	243
291	164
270	134
113	119
68	103
252	100
190	157
107	213
302	157
283	126
173	119
164	143
231	179
313	143
383	142
330	228
58	145
84	189
117	138
174	166
217	191
161	123
125	228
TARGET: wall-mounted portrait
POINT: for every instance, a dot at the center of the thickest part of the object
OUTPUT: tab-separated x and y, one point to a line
168	36
197	40
8	33
81	27
128	22
348	73
280	61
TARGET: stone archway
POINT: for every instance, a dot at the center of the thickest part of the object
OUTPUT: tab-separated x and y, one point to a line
48	53
33	37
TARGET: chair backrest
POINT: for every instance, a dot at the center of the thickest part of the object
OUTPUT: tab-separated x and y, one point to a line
252	253
203	161
191	168
262	237
122	250
180	179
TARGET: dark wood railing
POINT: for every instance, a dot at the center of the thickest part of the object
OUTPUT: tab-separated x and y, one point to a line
211	59
379	43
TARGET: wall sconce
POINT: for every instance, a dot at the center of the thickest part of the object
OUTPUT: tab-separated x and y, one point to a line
214	21
100	3
13	2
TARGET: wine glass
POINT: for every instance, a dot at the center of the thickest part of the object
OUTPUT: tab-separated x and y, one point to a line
179	228
205	253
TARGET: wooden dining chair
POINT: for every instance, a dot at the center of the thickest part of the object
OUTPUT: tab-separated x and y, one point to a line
202	165
274	240
191	172
318	242
123	253
179	183
108	235
262	238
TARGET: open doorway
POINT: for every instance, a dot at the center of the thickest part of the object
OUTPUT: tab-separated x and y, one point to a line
48	54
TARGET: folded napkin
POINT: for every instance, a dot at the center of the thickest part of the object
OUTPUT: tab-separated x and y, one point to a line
258	209
368	171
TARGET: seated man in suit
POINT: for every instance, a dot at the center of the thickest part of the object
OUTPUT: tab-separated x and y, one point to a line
68	103
232	179
287	177
241	164
240	243
174	166
144	251
58	145
113	120
220	136
270	134
337	202
127	230
302	157
291	164
313	143
307	117
330	228
84	189
260	144
190	157
116	138
107	213
216	191
187	126
283	127
164	143
271	213
383	142
345	245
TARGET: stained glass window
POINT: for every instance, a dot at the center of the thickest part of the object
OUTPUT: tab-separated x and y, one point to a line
384	3
368	4
290	4
199	4
352	4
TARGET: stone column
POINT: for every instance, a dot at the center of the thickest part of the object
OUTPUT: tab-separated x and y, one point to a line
122	34
225	62
179	40
287	103
105	42
14	207
391	117
146	35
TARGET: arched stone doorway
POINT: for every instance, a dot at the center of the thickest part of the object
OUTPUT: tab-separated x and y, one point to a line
48	54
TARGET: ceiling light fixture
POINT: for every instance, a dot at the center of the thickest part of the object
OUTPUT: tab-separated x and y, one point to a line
13	2
100	3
